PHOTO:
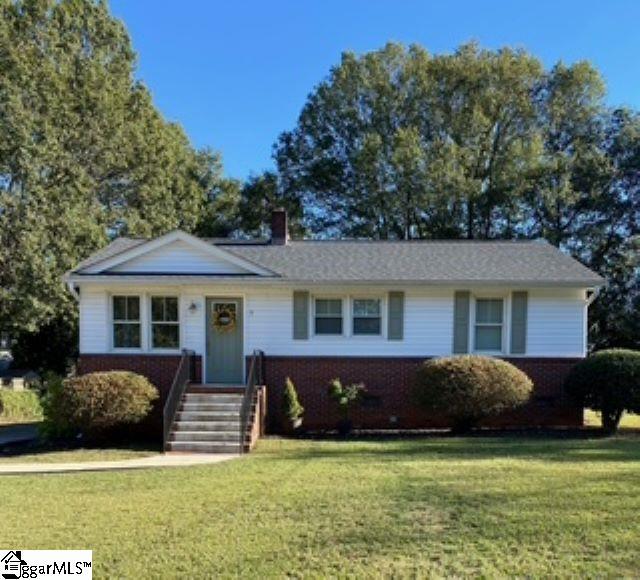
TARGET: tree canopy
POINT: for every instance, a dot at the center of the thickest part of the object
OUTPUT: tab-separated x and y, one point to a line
398	143
84	154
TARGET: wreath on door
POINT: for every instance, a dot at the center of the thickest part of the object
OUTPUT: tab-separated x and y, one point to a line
224	317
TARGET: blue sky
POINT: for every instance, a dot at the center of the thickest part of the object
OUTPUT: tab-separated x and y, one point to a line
235	74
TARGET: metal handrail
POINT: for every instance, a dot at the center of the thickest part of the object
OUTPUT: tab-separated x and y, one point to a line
254	379
184	374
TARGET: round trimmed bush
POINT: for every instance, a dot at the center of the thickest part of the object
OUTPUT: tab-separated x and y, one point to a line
608	381
98	402
467	389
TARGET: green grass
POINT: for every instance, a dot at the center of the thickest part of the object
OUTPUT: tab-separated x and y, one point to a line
416	507
628	421
18	407
76	455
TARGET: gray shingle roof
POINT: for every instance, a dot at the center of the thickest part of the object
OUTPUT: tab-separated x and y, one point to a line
436	262
420	261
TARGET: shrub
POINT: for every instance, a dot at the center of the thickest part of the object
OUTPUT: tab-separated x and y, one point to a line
291	407
467	389
346	396
607	381
98	402
19	406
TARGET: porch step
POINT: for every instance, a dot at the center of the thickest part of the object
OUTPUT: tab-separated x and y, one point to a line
204	447
206	426
208	415
209	398
211	407
207	421
232	436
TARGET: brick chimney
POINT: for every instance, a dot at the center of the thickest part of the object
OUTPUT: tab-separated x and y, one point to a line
279	227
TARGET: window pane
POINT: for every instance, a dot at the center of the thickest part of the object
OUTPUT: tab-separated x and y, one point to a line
368	307
366	326
119	307
171	309
328	325
489	311
133	308
489	338
165	336
328	307
157	308
126	335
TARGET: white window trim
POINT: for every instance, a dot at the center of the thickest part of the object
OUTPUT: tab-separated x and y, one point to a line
506	327
149	326
346	319
383	319
141	322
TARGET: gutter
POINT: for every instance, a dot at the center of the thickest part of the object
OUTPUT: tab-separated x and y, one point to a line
594	294
198	280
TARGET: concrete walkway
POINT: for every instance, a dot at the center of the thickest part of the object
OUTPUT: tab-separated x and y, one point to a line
169	460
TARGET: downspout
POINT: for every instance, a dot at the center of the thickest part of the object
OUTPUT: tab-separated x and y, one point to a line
593	296
588	302
72	289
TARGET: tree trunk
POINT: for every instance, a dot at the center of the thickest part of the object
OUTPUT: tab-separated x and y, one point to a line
611	420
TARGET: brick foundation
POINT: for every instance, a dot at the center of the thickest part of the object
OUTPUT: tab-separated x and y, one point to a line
389	382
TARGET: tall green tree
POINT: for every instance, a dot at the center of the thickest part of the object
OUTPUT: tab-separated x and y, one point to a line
397	143
84	155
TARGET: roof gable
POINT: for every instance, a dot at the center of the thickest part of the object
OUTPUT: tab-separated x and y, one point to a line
175	253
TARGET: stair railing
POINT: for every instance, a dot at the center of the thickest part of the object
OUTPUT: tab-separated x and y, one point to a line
254	380
184	374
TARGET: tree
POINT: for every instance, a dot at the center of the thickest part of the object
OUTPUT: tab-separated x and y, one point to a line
609	382
397	143
84	157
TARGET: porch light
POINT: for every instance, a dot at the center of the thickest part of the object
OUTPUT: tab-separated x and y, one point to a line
193	307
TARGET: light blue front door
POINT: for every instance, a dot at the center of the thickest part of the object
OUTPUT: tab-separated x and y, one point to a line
224	341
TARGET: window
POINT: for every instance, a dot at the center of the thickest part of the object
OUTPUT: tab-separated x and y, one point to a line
328	316
165	327
366	316
126	322
489	324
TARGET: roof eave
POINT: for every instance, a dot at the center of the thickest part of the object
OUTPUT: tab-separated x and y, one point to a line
198	279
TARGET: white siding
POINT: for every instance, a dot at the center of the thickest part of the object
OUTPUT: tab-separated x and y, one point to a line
555	321
94	311
179	257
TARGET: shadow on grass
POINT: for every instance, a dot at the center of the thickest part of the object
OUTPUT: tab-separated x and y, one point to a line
578	446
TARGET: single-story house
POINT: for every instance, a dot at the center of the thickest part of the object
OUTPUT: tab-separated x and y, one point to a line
364	311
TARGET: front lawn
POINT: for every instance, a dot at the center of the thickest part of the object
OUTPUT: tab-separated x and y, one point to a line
413	507
50	455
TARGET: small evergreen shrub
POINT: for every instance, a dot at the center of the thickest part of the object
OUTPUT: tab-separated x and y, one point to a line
19	406
291	407
467	389
95	403
607	381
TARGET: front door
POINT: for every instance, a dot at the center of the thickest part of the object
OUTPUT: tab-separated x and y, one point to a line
224	341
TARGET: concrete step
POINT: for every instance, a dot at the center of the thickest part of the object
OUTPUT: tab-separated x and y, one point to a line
211	436
207	416
216	426
213	406
203	447
212	398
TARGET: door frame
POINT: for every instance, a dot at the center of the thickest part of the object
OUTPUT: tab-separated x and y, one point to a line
208	299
